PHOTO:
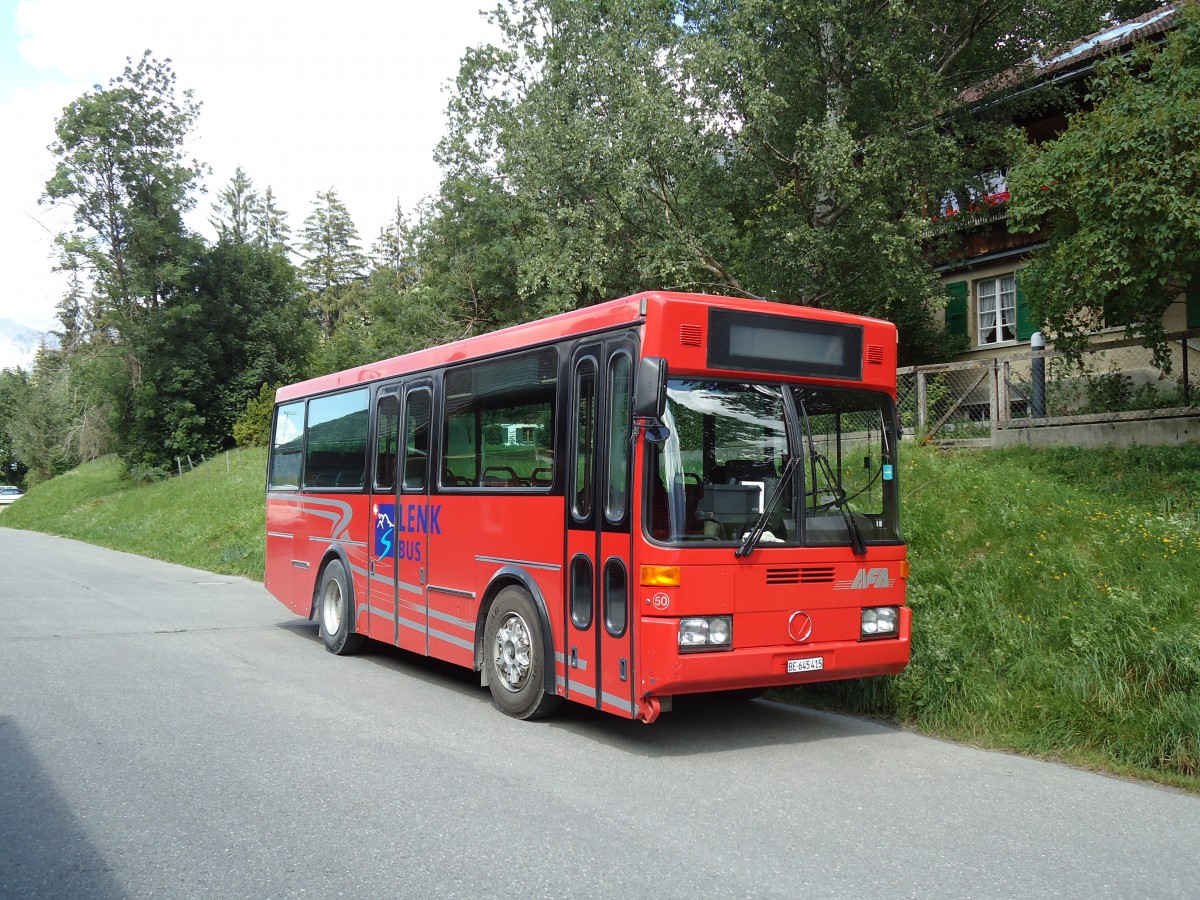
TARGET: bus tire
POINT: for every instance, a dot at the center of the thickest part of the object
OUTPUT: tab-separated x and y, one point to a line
514	654
335	609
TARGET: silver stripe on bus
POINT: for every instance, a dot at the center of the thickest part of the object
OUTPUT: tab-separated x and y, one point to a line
589	692
470	595
420	627
451	639
453	620
376	611
553	567
384	579
333	540
413	626
341	518
299	564
616	701
580	664
387	614
279	534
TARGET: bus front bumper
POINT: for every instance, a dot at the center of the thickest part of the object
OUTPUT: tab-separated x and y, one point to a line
667	671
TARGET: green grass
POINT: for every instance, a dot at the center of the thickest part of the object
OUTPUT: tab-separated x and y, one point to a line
213	518
1056	604
1055	593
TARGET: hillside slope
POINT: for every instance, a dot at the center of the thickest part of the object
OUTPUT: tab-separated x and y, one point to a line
212	518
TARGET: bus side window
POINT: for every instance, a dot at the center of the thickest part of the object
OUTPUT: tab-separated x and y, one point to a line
620	424
584	438
287	446
336	443
387	428
416	440
499	423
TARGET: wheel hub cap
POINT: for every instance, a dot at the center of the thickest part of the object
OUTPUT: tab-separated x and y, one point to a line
512	652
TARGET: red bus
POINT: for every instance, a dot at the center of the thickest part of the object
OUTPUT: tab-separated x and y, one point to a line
660	495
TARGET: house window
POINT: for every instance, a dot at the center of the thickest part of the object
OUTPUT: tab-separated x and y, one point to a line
996	302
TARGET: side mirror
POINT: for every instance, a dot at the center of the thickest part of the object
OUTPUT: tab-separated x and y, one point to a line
650	394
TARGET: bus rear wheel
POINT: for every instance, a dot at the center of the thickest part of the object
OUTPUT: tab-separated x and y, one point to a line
514	657
335	609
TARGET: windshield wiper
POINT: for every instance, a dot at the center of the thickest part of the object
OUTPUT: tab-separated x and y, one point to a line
857	543
754	535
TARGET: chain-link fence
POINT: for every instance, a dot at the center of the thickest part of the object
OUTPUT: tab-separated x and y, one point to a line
1106	381
967	402
951	402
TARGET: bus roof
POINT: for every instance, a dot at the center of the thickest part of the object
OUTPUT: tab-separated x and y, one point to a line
600	317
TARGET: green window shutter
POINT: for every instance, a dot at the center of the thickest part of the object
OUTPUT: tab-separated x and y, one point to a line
1193	302
1025	324
956	308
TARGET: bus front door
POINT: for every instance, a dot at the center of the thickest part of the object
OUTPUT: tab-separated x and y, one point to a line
380	620
412	521
599	643
397	611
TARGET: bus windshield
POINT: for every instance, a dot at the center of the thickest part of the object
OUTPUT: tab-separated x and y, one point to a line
724	473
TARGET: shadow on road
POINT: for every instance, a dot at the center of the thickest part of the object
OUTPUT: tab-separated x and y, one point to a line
698	724
702	724
44	851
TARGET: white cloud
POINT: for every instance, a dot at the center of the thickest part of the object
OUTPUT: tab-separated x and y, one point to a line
302	95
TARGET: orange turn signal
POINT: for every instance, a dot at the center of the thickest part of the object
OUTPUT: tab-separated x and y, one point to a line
904	569
660	576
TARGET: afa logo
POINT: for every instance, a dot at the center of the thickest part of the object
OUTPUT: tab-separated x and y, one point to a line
866	578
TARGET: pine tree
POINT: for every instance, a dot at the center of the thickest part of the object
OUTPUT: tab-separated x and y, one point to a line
333	260
236	209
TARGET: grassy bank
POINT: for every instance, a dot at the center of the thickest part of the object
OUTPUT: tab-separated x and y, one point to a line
1056	602
1056	594
212	518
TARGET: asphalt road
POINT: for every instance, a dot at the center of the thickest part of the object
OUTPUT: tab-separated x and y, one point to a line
166	732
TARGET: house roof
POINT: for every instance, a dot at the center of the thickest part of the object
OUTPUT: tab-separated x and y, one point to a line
1080	56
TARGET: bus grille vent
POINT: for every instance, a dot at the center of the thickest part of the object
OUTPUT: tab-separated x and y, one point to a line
783	576
875	354
816	575
691	335
801	575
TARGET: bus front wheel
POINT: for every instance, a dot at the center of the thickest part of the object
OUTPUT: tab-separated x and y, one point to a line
514	656
335	609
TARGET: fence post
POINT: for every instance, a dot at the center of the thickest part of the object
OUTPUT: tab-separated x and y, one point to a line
1187	385
179	465
1037	344
997	394
921	414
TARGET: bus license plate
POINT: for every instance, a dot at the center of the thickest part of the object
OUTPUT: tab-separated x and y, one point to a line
809	664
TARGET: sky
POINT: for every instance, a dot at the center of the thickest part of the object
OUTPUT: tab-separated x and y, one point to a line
304	96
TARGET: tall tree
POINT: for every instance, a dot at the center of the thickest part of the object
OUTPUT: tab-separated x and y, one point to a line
14	386
333	259
749	147
236	209
241	325
392	312
1119	193
270	224
122	170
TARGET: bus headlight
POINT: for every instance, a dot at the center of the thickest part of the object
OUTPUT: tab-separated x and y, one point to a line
706	633
880	622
